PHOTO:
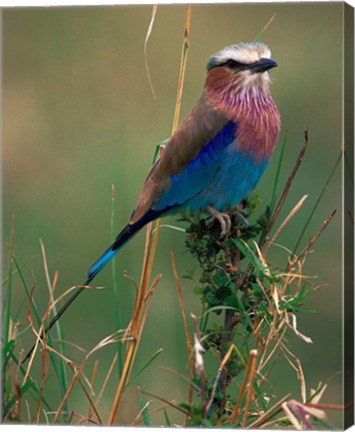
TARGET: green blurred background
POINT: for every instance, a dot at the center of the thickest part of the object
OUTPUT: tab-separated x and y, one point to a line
79	116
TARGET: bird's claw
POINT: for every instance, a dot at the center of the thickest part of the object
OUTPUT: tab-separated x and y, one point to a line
243	218
223	219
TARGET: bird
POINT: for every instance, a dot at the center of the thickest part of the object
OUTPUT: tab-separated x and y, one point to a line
216	156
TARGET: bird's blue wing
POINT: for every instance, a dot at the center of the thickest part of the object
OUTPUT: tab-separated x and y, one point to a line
188	163
198	173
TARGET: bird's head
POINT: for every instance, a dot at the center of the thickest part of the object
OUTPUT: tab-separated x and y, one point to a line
240	69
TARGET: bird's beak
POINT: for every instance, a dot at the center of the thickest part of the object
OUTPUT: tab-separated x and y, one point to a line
263	65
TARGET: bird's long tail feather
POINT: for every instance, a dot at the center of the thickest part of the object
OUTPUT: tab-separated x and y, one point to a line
127	233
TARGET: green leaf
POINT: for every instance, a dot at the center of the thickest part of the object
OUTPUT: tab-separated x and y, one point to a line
158	147
12	401
167	419
231	301
116	303
28	291
154	356
308	221
146	418
277	175
7	353
207	423
249	254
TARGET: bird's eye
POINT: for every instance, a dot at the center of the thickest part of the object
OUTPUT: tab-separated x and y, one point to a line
233	64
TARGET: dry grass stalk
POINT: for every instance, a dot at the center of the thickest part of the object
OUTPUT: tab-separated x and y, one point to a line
286	190
183	312
165	401
221	367
93	377
183	62
199	367
252	369
183	377
43	381
299	413
249	373
149	32
187	335
137	323
312	240
139	418
275	409
285	222
78	371
297	425
113	364
134	328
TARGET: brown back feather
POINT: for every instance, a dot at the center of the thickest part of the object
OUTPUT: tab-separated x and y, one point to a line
199	127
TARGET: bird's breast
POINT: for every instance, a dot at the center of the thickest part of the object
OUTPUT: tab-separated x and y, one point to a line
258	128
255	113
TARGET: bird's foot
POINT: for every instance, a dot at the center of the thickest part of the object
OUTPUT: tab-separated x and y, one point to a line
243	219
242	212
223	219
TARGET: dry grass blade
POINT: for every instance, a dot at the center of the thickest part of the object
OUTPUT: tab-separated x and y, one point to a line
80	372
219	372
298	369
148	300
323	406
94	373
91	404
253	357
263	362
172	404
174	372
139	419
41	339
313	240
286	221
266	26
139	416
28	411
135	326
286	190
69	390
43	381
19	401
113	364
122	382
8	293
187	335
199	367
247	376
297	425
76	378
185	47
302	379
149	32
275	409
183	312
38	338
299	411
46	271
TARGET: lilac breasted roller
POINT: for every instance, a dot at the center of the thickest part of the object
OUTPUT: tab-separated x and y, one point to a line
219	152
